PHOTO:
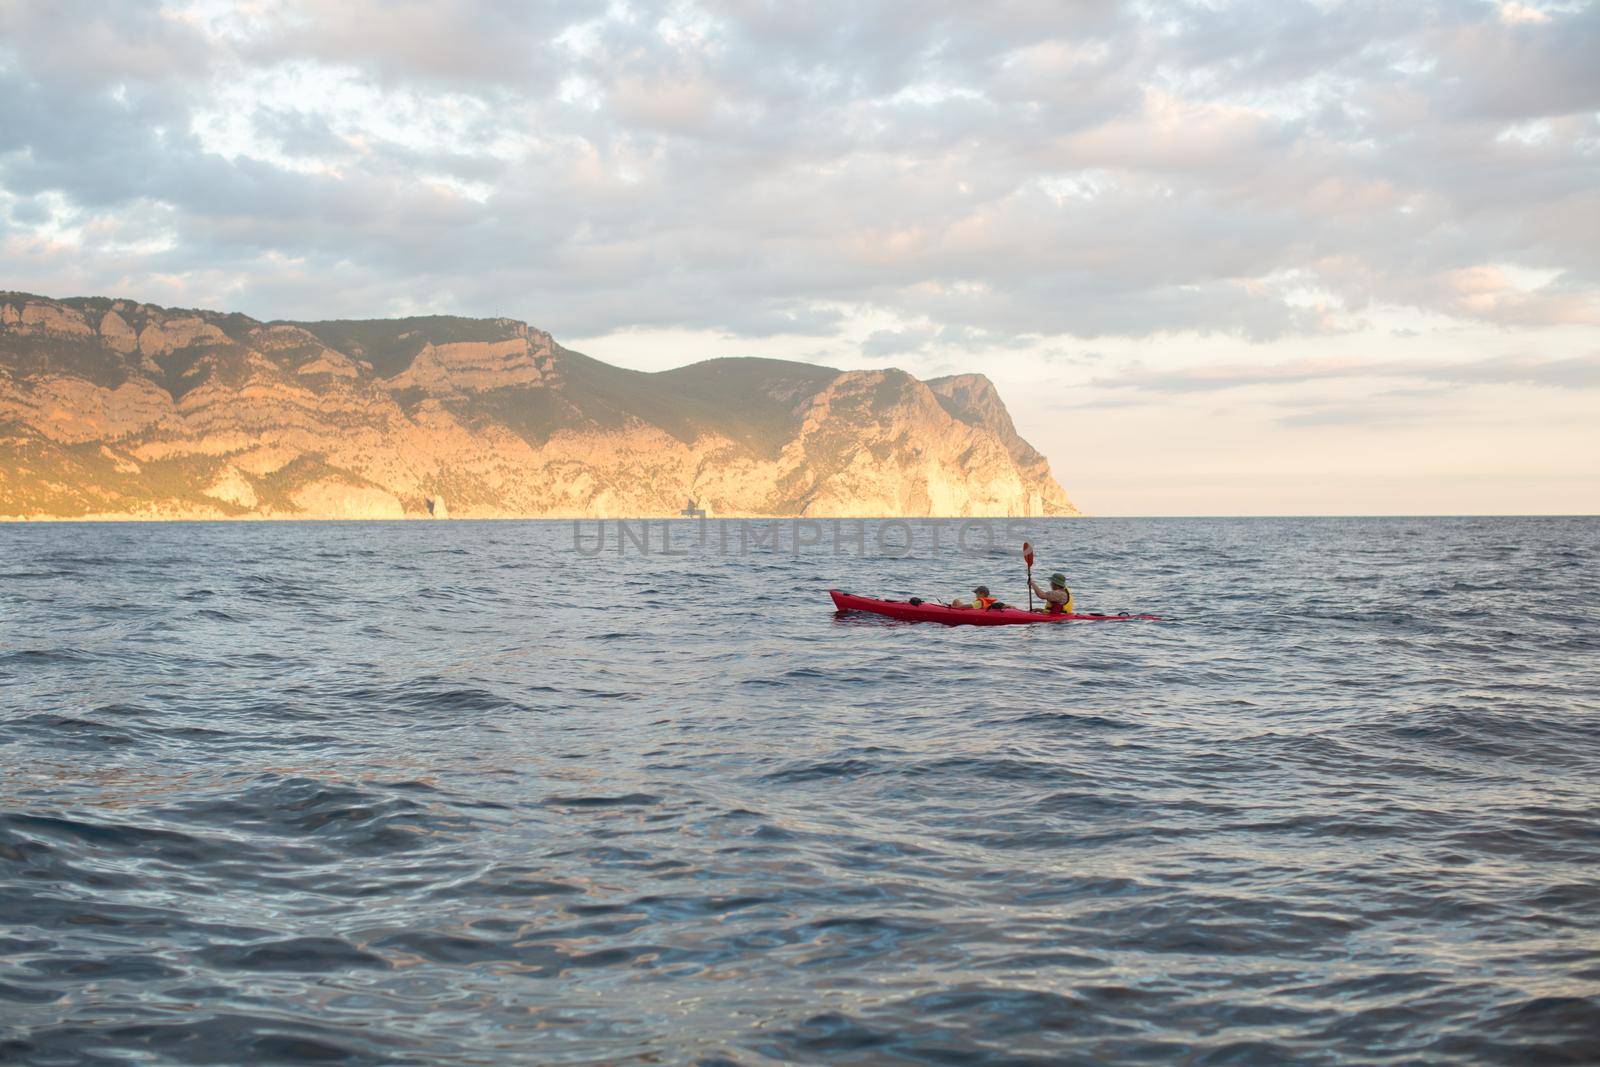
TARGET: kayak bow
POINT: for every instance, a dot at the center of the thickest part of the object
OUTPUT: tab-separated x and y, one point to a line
906	611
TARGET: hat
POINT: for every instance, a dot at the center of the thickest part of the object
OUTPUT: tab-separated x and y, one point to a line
1058	579
982	590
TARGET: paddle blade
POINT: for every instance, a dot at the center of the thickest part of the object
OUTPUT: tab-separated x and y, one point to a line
1027	553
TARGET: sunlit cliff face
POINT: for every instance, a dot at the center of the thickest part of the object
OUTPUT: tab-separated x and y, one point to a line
1110	209
115	409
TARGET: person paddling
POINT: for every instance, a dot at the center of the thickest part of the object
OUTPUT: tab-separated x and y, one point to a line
981	600
1058	598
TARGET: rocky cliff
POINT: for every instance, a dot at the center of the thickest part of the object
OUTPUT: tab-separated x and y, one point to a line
111	408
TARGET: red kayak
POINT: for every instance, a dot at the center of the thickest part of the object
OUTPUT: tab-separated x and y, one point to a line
906	611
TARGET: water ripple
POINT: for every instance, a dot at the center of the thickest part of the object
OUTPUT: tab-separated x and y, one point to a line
451	793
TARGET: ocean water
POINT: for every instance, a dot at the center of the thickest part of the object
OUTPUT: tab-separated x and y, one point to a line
461	793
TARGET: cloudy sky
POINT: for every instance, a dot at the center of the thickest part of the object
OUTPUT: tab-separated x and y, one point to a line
1266	257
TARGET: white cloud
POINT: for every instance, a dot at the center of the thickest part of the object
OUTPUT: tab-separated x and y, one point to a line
1086	170
1511	11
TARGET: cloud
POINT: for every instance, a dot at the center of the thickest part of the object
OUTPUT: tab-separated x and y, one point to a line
1581	372
895	342
1362	415
457	43
926	338
973	175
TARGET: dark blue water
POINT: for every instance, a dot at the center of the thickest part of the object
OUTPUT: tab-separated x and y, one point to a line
455	793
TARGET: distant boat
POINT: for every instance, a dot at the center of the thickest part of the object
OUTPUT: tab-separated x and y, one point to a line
693	510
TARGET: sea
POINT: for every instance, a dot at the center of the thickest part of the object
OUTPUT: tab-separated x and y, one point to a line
580	793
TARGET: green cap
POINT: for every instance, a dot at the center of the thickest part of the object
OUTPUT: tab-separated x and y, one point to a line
982	590
1058	579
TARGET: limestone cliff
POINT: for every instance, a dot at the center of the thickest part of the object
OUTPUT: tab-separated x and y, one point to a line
111	408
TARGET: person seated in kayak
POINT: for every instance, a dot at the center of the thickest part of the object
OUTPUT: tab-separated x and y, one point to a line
981	601
1058	598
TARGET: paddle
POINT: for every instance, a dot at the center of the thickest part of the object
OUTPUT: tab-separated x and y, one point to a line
1027	557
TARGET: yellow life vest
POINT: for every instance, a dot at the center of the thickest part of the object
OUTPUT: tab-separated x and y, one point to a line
1052	608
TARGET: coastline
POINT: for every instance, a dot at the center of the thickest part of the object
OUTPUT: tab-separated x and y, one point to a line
21	520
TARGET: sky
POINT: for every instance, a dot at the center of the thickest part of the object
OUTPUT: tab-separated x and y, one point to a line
1272	257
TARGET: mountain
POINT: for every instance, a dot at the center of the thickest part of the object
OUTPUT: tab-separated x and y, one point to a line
116	409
